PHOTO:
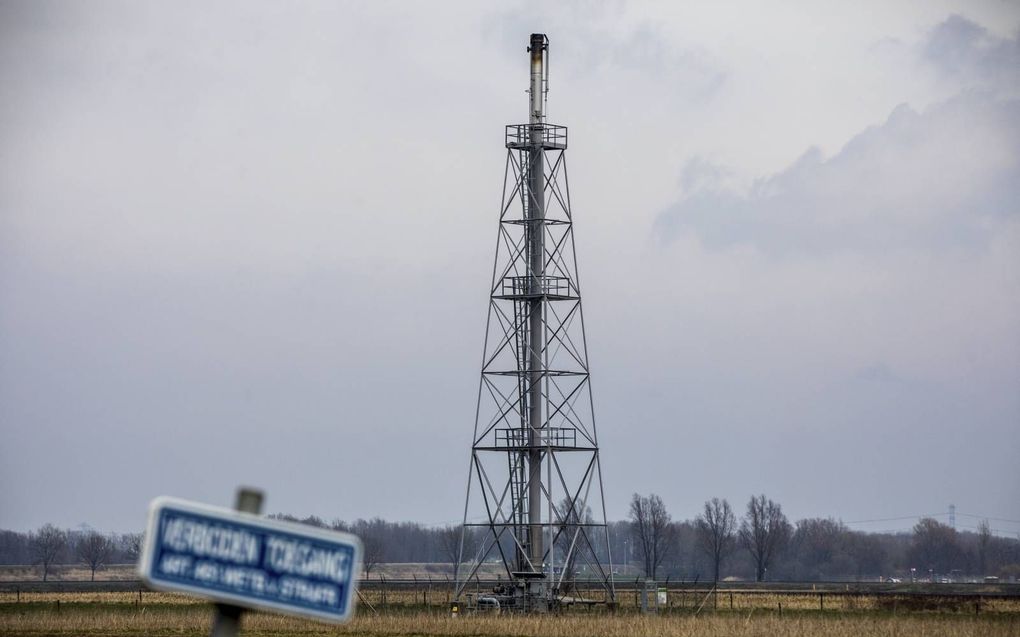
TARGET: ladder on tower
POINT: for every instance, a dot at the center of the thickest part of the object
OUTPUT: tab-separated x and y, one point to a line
518	466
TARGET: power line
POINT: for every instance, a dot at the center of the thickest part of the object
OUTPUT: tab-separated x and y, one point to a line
935	515
988	517
906	517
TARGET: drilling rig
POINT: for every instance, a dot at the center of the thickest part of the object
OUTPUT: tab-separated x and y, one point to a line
534	537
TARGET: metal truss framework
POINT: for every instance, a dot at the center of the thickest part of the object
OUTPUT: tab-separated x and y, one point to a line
534	476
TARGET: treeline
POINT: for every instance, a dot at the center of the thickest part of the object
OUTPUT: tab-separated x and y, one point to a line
383	541
50	546
762	544
759	543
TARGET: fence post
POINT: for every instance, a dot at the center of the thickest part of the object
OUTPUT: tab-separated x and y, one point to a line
821	601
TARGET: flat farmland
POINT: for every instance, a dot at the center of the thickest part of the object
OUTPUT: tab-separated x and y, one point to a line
114	614
192	619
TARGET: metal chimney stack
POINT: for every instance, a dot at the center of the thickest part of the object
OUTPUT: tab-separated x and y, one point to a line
535	249
534	479
537	91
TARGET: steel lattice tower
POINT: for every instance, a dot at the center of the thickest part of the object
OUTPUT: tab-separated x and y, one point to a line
535	476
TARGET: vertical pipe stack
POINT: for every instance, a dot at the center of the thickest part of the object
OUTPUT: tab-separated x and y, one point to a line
535	249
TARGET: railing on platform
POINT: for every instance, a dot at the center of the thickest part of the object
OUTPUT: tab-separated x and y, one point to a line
547	136
518	437
530	285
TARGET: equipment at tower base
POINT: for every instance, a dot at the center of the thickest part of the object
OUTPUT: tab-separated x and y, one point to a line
534	531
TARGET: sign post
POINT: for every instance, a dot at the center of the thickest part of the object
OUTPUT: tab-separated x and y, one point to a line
241	560
227	617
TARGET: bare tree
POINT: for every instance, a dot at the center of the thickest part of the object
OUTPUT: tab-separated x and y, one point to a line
131	546
450	538
651	529
764	531
717	529
46	546
984	539
571	538
94	550
372	548
935	546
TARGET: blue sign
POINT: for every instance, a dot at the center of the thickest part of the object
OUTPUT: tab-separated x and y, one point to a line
247	560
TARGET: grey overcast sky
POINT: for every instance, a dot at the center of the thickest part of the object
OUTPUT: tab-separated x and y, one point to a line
250	243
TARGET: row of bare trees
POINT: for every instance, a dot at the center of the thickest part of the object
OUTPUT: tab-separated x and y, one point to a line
50	546
763	532
763	541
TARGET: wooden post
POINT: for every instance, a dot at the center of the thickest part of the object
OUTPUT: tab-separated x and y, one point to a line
227	617
821	601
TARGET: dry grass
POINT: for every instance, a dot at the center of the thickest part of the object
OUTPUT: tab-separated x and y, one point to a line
114	614
745	601
438	598
97	597
194	620
724	601
69	573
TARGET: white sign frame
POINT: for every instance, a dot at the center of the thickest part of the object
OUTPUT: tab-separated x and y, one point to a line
231	516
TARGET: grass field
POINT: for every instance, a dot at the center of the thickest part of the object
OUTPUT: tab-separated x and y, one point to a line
120	614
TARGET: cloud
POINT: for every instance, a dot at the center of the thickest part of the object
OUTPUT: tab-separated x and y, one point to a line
945	178
967	52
